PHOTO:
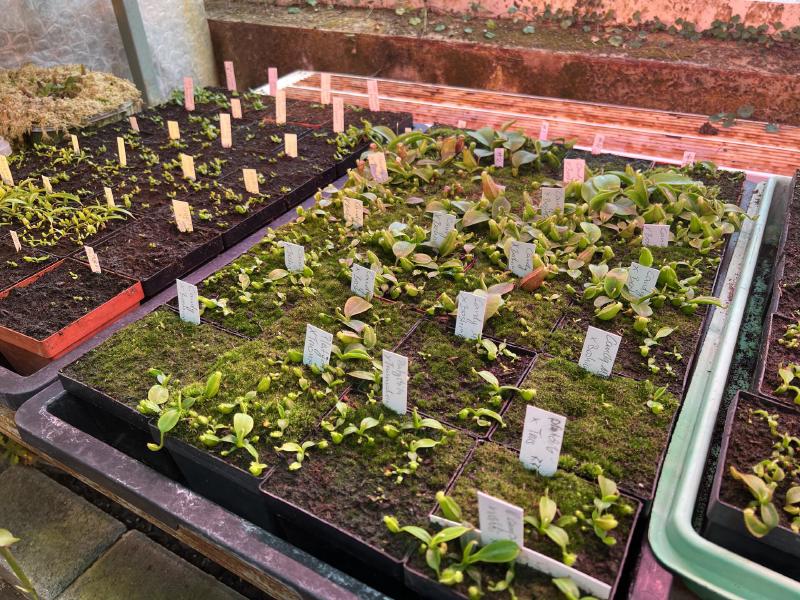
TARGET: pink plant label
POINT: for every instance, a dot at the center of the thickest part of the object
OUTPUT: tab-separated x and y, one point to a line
574	169
225	130
280	107
325	88
655	235
362	281
134	123
544	130
469	319
317	347
230	76
599	351
499	157
272	76
597	143
688	158
188	93
520	257
91	257
499	520
461	124
372	94
394	388
236	108
542	435
188	302
15	240
338	115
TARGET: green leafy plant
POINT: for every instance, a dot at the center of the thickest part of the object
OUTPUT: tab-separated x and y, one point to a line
788	374
24	583
300	451
546	524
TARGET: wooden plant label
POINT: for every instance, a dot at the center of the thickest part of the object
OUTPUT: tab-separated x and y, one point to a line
225	130
230	76
599	351
574	169
353	210
290	144
499	520
338	115
408	130
183	216
520	258
91	256
5	171
552	201
134	124
688	158
362	281
188	93
469	319
123	156
394	391
377	166
187	166
461	124
597	143
48	187
325	88
544	130
109	197
236	108
188	303
76	147
250	180
272	77
173	130
655	235
280	107
499	157
372	94
294	257
542	434
642	280
317	349
15	239
443	223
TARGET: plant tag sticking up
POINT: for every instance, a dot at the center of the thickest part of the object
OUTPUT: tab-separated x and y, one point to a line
469	319
317	349
173	130
123	156
236	108
443	223
599	351
250	180
134	124
597	143
552	201
15	239
520	258
353	209
574	169
5	171
362	281
109	197
230	76
338	114
188	93
187	166
499	157
76	147
294	257
91	256
48	187
290	144
272	78
542	434
188	302
655	235
280	107
325	88
642	280
372	93
688	158
461	124
544	130
225	130
183	216
377	166
394	391
499	520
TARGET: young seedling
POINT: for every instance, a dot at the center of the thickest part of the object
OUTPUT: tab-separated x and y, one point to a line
496	390
24	583
544	524
492	350
788	375
570	589
360	431
300	451
483	417
767	518
602	520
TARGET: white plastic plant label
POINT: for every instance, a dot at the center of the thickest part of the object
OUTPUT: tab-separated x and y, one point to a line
5	171
362	281
290	144
250	180
597	143
542	434
372	94
469	319
544	130
642	280
353	210
688	158
188	303
76	147
574	169
443	223
280	107
230	76
236	108
599	351
188	93
272	77
91	257
317	349
520	257
552	201
655	235
48	187
123	156
325	88
338	114
183	216
500	520
134	123
294	257
173	130
15	240
499	157
225	130
461	124
394	388
377	166
187	166
109	197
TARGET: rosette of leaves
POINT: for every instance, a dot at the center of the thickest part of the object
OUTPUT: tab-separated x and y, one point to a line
521	149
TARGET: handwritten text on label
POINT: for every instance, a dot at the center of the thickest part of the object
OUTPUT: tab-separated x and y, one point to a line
599	351
542	434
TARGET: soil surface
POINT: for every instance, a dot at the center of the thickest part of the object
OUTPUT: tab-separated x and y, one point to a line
778	355
789	302
16	266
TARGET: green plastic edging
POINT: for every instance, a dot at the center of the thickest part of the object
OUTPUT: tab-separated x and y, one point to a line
709	569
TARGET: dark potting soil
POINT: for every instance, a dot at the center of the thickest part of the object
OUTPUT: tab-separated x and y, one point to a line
609	162
13	265
730	183
751	442
778	355
789	301
58	298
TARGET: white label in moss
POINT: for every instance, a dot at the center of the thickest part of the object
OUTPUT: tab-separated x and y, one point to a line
123	156
294	257
109	197
325	88
599	351
173	130
377	166
280	107
499	520
443	223
394	389
187	166
372	93
642	280
520	258
597	143
134	123
574	169
469	319
542	435
317	349
91	256
225	130
230	76
76	147
544	129
15	239
250	180
655	235
236	108
552	201
272	78
188	93
48	187
688	158
290	144
499	157
5	171
183	216
188	303
362	281
353	210
338	114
